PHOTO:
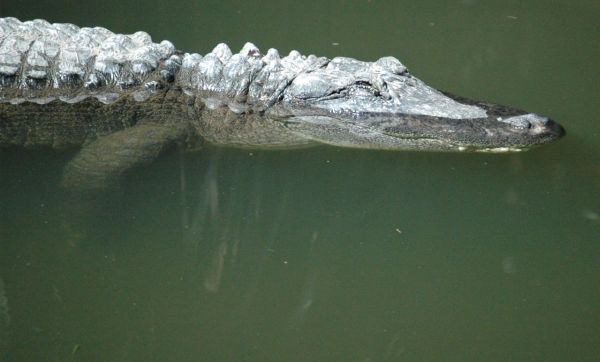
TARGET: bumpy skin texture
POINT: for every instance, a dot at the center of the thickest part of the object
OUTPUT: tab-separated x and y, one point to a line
65	86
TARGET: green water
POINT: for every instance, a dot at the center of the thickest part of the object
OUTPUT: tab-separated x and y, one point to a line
329	254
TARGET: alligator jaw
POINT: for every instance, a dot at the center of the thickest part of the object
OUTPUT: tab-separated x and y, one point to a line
512	134
494	133
381	106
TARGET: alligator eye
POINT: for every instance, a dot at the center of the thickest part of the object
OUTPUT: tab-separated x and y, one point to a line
363	84
364	87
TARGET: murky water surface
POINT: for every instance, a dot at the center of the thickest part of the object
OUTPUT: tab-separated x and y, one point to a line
327	254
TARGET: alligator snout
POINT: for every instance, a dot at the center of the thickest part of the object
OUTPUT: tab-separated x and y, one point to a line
546	125
535	124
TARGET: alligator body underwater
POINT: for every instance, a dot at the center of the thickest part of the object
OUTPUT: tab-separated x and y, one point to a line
123	99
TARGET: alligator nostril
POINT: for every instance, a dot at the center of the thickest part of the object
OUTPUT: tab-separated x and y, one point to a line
544	125
555	128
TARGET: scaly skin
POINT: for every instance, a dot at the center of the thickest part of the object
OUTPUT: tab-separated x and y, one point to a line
64	86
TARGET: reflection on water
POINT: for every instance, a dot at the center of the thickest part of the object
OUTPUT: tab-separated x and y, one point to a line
314	254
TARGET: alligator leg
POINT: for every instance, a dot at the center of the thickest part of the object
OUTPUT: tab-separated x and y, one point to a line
91	180
100	164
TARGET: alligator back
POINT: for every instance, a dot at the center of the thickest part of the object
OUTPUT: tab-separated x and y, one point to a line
41	62
61	85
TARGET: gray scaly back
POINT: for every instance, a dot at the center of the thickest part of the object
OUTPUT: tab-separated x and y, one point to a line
40	62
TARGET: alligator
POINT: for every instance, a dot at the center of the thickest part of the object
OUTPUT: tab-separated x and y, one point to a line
123	99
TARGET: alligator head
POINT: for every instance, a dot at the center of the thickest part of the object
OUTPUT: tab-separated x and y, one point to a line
380	105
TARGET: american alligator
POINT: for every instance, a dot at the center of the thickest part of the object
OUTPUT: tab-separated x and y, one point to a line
124	98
